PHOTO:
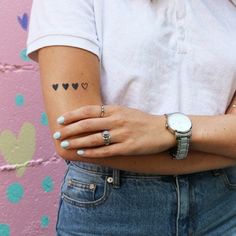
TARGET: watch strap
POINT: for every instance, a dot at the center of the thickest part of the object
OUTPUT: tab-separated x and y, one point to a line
180	151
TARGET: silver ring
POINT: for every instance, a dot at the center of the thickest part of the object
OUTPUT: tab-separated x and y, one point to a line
102	111
106	137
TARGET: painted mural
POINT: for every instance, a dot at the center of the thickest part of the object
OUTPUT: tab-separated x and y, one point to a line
30	170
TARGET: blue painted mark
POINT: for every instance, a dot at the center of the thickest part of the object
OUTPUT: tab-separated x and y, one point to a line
15	192
4	230
45	221
44	118
19	100
23	21
47	184
23	55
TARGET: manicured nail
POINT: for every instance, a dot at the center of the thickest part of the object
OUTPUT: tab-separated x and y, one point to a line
60	120
80	152
64	144
57	135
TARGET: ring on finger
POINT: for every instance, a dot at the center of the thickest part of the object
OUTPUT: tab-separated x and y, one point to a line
106	137
102	111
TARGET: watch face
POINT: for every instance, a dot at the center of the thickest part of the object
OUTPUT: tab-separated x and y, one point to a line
179	122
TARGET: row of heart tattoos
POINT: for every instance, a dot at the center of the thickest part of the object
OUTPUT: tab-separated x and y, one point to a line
73	85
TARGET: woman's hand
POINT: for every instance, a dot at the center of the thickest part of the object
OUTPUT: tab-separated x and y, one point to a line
132	132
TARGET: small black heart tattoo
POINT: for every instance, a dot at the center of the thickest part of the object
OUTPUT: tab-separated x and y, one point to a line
84	85
55	86
75	85
65	86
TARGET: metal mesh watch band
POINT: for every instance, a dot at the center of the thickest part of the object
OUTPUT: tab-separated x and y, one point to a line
181	150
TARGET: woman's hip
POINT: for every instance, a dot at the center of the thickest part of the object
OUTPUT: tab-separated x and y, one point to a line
98	200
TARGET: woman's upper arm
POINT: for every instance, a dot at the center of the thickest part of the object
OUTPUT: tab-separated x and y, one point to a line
63	39
63	66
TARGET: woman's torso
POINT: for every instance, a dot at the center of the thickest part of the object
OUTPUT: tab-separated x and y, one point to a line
169	55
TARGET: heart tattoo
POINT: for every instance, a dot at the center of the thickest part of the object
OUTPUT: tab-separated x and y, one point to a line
65	86
75	85
55	86
84	85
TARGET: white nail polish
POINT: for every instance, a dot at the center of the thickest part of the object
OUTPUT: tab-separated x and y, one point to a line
64	144
60	120
80	152
57	135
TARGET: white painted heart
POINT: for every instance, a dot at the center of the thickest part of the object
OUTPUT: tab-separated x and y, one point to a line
20	149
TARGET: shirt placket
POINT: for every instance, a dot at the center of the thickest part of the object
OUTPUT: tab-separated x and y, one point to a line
180	16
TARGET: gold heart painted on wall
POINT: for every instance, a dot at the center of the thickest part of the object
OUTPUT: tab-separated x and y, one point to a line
20	149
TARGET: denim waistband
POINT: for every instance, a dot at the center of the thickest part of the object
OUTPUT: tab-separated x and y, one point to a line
115	175
99	169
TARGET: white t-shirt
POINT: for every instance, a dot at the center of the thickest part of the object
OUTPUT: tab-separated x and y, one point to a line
160	57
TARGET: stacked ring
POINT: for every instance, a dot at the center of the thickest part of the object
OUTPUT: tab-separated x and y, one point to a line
106	137
102	111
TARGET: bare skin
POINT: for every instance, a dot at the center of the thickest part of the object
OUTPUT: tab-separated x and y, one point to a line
60	64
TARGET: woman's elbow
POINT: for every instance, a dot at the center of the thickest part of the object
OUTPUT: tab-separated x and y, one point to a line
64	154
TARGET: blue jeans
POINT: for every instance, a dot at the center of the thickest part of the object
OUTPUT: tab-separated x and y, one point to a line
101	201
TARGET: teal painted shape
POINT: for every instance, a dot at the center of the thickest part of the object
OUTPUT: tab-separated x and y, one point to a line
23	55
19	100
15	192
45	221
47	184
4	230
44	118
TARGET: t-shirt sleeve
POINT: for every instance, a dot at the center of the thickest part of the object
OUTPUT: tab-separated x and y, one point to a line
62	22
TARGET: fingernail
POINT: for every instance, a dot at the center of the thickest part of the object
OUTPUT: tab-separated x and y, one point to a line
64	144
60	120
80	152
57	135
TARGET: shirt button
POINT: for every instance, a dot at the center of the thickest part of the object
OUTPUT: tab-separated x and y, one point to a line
180	15
110	180
182	32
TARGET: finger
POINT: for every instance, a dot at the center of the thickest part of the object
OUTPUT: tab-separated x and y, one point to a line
93	140
83	126
84	112
102	152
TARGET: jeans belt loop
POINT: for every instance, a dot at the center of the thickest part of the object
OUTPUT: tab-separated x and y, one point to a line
116	178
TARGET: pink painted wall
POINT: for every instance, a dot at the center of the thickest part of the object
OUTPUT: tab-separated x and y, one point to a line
31	172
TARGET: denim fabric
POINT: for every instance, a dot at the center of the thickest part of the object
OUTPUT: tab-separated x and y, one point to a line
100	201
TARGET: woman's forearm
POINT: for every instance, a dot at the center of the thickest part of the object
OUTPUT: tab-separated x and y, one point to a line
162	163
215	134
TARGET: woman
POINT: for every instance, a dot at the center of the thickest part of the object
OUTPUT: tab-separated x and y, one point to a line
134	167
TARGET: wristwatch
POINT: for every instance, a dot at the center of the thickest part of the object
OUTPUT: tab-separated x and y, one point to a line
181	126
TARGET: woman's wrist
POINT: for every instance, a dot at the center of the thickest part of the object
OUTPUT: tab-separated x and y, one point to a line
167	138
198	128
